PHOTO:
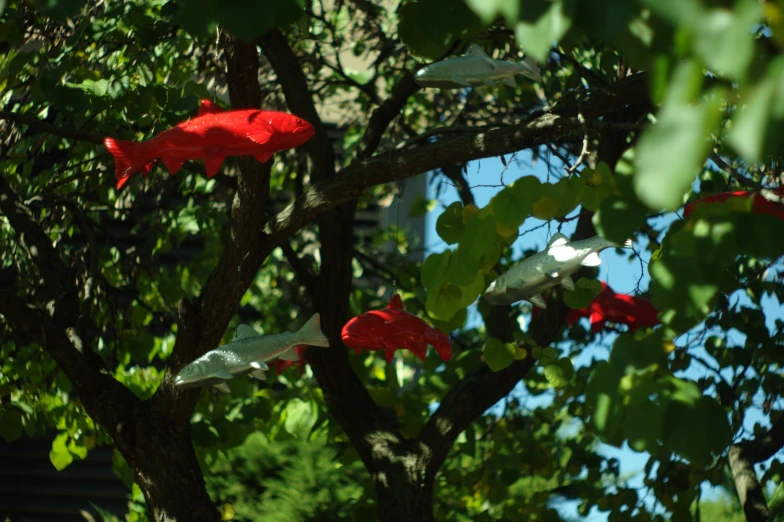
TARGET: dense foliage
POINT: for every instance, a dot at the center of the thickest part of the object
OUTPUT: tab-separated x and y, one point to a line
646	105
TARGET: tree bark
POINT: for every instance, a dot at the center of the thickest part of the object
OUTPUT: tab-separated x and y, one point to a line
742	457
166	469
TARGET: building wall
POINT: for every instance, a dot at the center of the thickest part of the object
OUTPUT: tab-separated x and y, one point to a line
32	490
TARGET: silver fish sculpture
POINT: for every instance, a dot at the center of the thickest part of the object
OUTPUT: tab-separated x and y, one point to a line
552	266
475	69
248	352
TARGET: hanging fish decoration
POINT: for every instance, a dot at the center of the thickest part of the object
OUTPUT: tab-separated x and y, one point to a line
212	135
475	69
550	267
394	328
759	204
248	352
609	306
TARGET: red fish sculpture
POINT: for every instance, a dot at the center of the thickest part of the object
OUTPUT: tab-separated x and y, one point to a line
635	312
393	328
212	135
759	204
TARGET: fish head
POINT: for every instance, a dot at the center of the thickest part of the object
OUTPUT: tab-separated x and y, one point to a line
291	130
530	70
190	375
496	292
364	332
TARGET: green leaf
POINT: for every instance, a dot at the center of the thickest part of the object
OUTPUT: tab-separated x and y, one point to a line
421	206
643	426
59	454
487	10
58	9
10	425
430	27
679	12
249	20
434	270
696	430
601	396
543	24
301	416
463	267
2	6
472	290
634	352
479	236
77	450
618	219
498	355
671	153
559	374
198	17
723	38
585	290
449	225
457	321
750	127
546	206
508	208
444	303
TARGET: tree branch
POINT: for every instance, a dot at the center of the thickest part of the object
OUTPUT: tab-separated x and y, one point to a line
482	388
742	457
42	126
54	272
201	324
391	166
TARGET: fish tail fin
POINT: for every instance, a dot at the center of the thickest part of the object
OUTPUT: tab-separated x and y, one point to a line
128	158
443	347
311	333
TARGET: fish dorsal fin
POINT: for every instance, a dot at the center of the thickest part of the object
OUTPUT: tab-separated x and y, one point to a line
396	303
475	50
207	107
244	331
558	239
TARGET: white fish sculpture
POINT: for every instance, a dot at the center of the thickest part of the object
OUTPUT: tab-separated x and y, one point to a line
248	352
552	266
475	69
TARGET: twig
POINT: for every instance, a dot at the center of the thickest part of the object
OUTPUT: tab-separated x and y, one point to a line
584	152
743	180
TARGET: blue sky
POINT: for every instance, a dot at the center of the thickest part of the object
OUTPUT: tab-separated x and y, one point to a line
623	276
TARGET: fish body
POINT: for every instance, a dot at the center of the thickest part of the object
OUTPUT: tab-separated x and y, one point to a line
475	69
248	352
635	312
393	328
212	135
759	204
550	267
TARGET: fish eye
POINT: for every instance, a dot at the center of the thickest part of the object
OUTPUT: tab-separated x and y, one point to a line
299	121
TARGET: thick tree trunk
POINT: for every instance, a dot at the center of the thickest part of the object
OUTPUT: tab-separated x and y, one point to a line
404	488
166	469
